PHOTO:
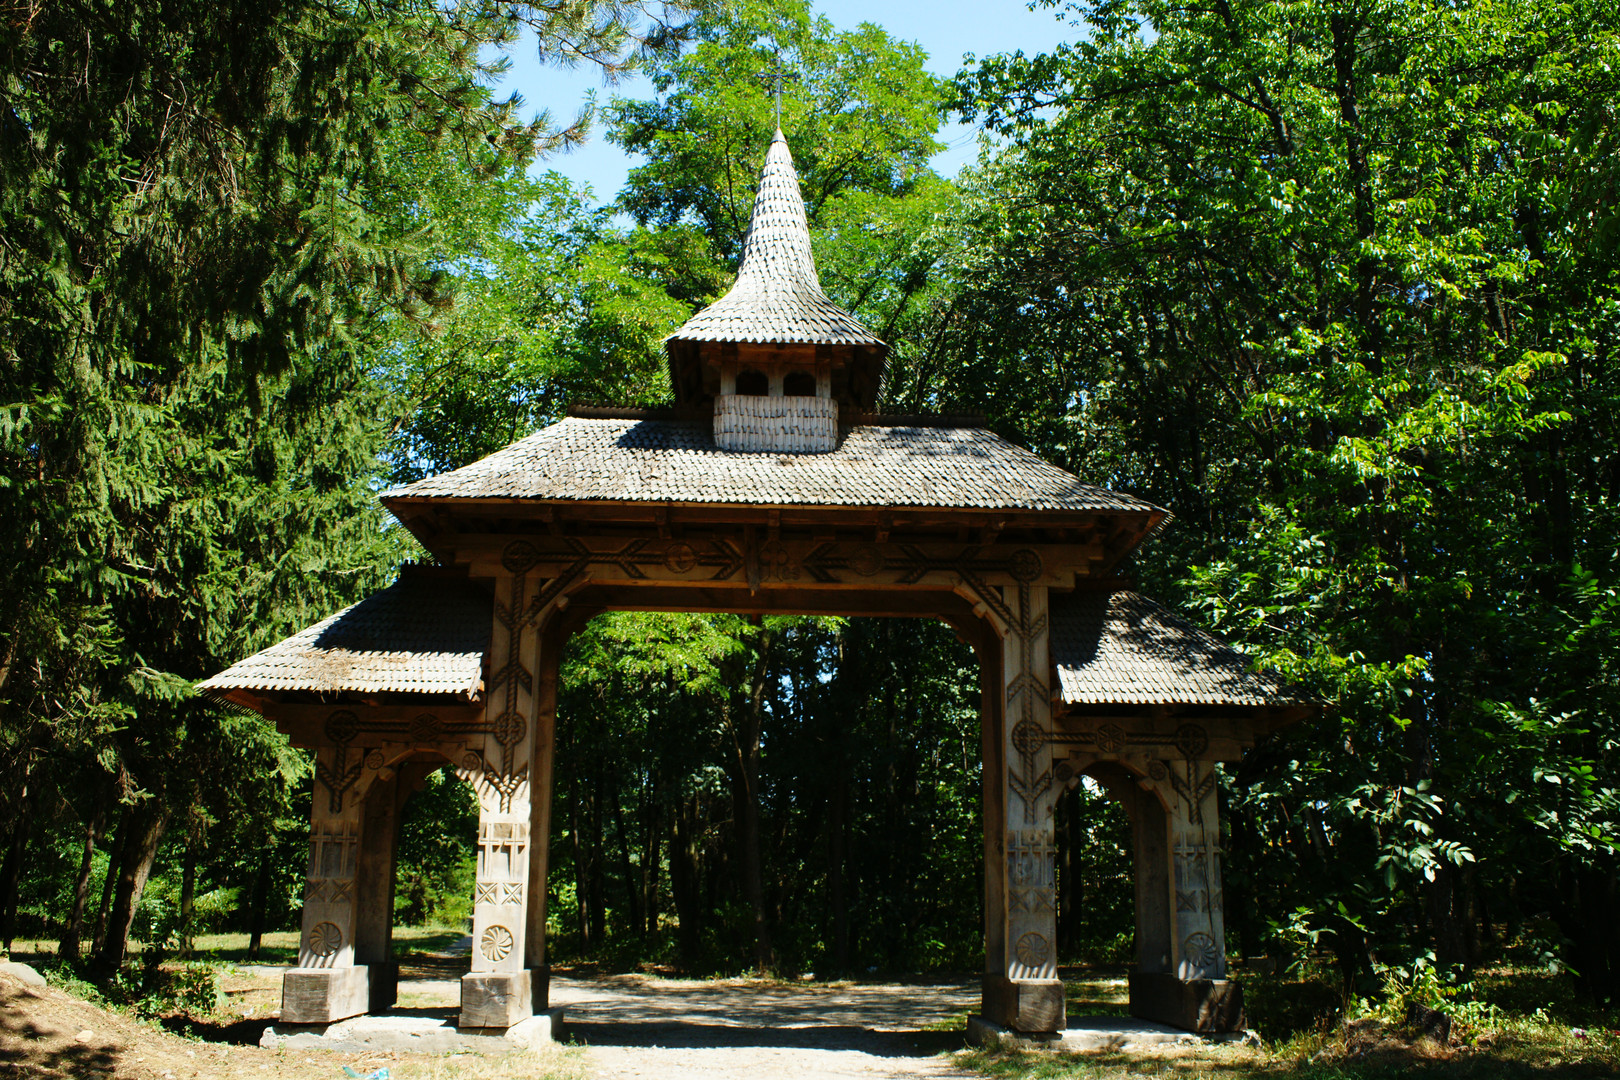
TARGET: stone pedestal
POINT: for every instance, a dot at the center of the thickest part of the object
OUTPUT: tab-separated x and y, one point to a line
1207	1006
323	995
415	1035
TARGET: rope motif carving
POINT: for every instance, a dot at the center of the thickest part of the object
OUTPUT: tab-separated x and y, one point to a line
1029	782
1193	789
510	727
341	728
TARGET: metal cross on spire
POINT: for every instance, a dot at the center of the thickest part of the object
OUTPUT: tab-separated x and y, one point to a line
777	77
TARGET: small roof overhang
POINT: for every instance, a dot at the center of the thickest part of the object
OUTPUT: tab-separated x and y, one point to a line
423	637
1114	650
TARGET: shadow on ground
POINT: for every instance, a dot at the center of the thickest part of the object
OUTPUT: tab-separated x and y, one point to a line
681	1035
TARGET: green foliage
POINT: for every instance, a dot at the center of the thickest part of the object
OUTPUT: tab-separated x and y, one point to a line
866	735
860	120
215	222
157	989
1335	284
437	857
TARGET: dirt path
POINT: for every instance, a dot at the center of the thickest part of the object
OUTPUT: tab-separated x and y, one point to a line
629	1025
742	1028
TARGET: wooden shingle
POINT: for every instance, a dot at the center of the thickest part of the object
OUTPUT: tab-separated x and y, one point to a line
424	634
1120	648
777	296
677	461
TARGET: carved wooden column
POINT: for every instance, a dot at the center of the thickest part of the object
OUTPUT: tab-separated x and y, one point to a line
327	985
1021	989
498	992
374	884
541	786
1187	987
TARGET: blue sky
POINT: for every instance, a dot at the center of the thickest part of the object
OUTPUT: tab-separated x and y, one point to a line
946	29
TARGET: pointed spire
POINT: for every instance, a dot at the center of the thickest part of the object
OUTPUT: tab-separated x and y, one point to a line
777	296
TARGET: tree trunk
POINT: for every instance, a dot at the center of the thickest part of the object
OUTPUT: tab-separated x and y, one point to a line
260	904
1071	886
74	931
146	823
837	813
747	725
632	887
581	865
596	883
188	895
1591	896
109	883
11	869
649	863
683	882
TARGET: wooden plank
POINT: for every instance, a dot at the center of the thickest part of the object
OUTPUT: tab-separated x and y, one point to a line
807	563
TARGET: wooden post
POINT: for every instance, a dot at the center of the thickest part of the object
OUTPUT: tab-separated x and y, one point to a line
545	753
327	984
1022	990
994	797
498	992
374	889
1181	980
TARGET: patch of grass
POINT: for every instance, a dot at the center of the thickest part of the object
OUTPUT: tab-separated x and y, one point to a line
1280	1008
1096	993
955	1022
1518	1048
279	947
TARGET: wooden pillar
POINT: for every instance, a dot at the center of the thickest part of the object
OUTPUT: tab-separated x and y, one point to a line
1150	863
374	888
540	775
993	795
1021	988
498	992
327	984
1181	980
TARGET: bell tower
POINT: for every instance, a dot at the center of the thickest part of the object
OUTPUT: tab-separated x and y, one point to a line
779	363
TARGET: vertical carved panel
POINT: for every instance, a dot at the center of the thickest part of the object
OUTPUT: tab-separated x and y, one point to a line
1199	925
329	883
1031	789
501	893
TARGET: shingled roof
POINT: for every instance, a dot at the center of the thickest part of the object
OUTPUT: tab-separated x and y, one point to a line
677	461
1120	648
425	634
777	296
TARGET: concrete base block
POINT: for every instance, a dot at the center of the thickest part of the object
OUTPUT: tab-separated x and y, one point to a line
1032	1006
415	1035
1083	1035
1207	1006
496	999
324	995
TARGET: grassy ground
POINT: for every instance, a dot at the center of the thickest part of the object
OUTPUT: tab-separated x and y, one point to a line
51	1034
411	943
1366	1050
1509	1024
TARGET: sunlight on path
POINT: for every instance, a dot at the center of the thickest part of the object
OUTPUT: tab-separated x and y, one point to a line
636	1026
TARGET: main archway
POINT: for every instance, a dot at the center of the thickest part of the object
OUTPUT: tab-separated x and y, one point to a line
737	501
